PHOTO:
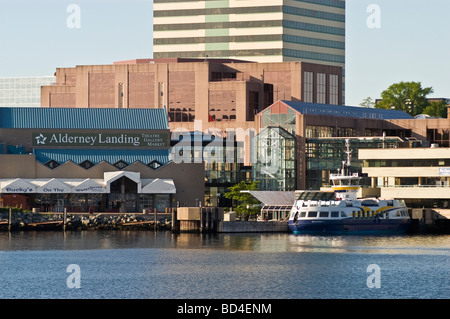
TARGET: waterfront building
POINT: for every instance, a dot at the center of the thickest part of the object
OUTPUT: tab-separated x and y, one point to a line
23	91
300	144
109	160
220	93
310	31
422	178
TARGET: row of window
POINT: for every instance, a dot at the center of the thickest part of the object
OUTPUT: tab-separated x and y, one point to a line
330	3
88	164
244	10
314	14
252	24
215	11
217	53
314	55
253	38
407	163
322	214
355	214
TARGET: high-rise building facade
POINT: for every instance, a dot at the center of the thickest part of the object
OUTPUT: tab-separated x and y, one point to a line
23	91
261	31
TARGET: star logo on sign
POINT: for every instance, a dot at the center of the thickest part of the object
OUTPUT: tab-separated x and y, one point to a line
40	139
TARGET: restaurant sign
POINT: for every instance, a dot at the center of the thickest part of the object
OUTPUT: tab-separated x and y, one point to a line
101	139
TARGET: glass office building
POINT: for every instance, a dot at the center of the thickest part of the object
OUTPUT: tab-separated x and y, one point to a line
23	91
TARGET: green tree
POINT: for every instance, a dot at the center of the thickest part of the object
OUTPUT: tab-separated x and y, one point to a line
436	109
367	102
410	97
246	203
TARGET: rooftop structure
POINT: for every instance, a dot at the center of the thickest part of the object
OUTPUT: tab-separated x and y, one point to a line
23	91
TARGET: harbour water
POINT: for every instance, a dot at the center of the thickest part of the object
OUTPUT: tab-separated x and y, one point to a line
154	265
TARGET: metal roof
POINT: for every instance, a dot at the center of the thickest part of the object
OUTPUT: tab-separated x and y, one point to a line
83	118
274	198
347	111
97	156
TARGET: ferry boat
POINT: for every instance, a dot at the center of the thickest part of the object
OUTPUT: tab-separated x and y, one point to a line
341	211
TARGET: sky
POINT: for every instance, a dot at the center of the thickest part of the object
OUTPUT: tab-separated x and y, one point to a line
387	41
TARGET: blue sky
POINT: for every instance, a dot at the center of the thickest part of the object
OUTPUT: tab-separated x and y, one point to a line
412	43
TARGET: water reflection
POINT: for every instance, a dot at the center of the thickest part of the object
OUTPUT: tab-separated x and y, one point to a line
402	244
89	240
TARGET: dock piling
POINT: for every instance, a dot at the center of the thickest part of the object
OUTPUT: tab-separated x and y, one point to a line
64	218
10	219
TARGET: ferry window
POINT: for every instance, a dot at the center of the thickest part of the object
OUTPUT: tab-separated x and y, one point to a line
302	214
323	214
312	214
343	214
334	214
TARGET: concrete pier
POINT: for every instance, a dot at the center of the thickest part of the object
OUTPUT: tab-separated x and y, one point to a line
198	219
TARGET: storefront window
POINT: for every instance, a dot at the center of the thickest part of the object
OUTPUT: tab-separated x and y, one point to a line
162	203
147	201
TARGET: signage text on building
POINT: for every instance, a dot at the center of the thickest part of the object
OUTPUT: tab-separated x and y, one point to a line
101	139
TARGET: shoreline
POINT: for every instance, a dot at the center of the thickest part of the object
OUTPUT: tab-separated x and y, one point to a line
83	221
31	221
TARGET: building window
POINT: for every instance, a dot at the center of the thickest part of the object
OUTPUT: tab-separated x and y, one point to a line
155	165
181	114
120	164
253	105
181	96
222	105
334	89
321	88
147	201
308	87
52	164
86	164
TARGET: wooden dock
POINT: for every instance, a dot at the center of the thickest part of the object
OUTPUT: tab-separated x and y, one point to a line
138	223
55	223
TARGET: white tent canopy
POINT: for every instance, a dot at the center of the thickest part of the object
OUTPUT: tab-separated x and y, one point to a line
85	186
17	185
91	186
158	186
52	186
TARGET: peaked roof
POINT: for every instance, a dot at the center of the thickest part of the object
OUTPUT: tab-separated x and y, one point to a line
83	118
274	198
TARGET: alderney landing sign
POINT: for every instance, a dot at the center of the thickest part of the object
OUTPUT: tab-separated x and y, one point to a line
160	139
